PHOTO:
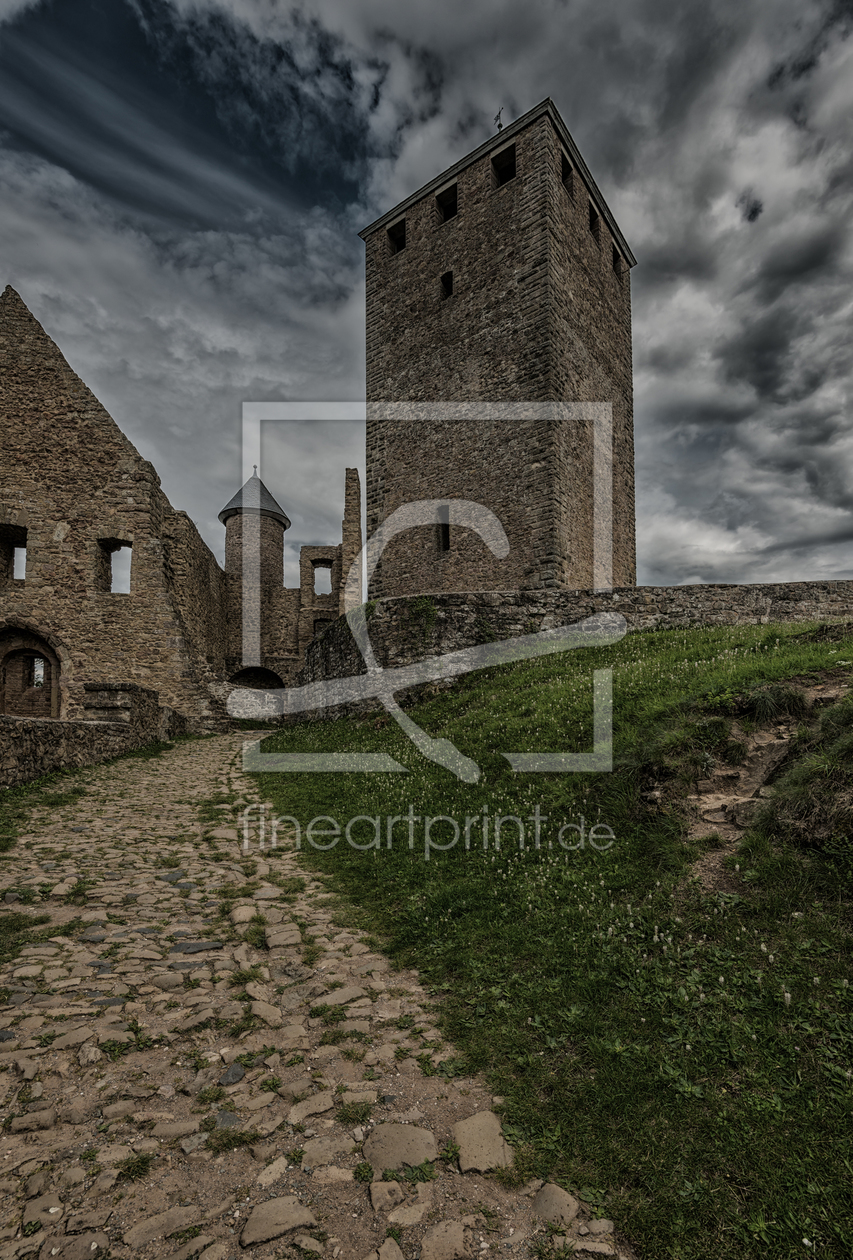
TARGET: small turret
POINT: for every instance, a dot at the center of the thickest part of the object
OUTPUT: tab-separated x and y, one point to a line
254	534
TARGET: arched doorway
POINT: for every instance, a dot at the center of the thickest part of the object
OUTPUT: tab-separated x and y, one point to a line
257	678
29	676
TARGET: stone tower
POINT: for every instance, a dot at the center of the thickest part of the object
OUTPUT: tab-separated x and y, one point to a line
504	280
254	521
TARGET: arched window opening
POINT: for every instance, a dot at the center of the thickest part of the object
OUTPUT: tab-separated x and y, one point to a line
29	676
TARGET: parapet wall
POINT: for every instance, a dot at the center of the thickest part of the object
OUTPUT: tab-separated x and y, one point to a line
124	716
408	629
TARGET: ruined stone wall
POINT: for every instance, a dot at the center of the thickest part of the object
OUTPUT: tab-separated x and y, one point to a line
351	541
537	313
120	718
76	485
406	630
199	594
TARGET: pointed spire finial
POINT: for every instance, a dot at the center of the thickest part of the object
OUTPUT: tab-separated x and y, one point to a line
498	122
255	469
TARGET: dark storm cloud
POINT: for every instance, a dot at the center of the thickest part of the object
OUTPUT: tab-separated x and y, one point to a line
296	105
184	179
759	354
836	20
186	118
750	206
798	260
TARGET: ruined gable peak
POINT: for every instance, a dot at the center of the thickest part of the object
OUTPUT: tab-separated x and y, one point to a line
22	336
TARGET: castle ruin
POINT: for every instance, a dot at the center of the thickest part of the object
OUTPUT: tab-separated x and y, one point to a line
75	496
506	281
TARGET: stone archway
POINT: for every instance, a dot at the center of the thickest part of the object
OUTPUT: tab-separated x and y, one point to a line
256	678
29	675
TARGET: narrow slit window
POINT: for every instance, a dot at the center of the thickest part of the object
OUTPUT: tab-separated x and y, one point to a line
503	166
595	223
397	237
617	261
447	203
13	553
447	284
37	671
120	570
444	528
568	176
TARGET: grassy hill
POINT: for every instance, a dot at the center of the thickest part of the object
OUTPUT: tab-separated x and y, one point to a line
679	1057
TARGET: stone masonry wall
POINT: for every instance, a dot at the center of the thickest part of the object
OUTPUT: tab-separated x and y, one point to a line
121	717
72	488
539	311
404	630
589	304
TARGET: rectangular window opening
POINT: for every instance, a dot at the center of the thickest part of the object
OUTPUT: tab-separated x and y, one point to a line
397	237
322	579
120	570
13	553
112	568
447	284
503	166
37	671
595	223
568	176
444	528
447	203
617	261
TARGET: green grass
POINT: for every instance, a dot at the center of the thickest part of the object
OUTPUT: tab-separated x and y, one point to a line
18	930
136	1166
231	1139
354	1113
636	1027
212	1094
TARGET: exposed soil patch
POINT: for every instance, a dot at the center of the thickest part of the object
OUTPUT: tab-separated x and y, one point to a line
722	806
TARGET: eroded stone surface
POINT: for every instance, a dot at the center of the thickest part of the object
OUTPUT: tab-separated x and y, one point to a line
481	1143
161	1226
556	1205
444	1242
397	1146
274	1218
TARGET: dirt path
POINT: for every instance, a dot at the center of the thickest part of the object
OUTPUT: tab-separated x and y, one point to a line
113	1049
724	804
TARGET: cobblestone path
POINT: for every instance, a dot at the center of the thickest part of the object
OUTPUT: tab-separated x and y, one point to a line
165	1087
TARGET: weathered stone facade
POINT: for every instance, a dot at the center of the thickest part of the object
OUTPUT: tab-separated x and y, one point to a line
116	718
284	619
405	631
74	492
503	280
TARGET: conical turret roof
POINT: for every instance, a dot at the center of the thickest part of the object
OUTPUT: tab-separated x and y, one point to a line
255	499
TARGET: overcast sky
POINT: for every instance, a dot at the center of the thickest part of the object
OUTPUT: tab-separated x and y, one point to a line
183	180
